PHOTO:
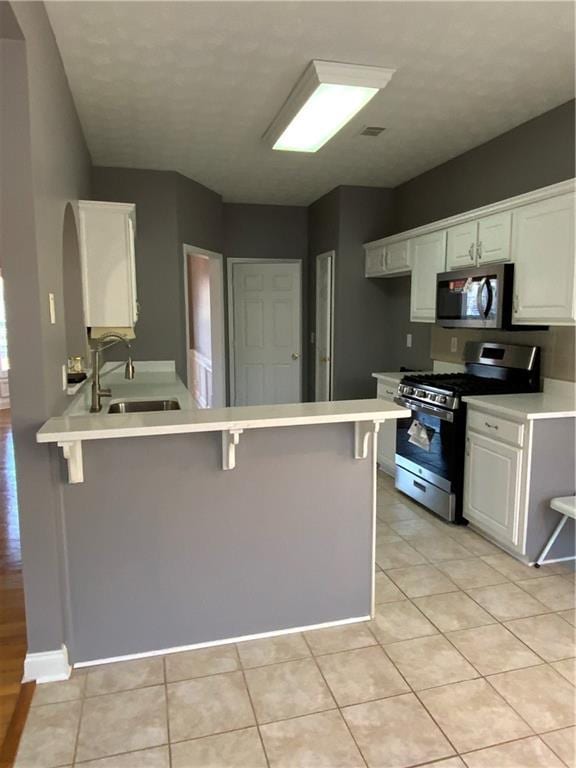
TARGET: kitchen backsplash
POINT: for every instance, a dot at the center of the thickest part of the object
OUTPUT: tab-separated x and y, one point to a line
557	345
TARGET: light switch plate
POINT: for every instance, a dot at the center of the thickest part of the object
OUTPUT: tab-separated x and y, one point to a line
454	344
52	308
408	340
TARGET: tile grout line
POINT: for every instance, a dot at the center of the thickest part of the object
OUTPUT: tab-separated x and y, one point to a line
167	709
338	708
256	721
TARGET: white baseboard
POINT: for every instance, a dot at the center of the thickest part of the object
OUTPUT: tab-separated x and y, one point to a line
47	667
227	641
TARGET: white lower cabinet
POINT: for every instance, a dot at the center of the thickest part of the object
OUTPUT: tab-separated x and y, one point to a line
492	487
386	451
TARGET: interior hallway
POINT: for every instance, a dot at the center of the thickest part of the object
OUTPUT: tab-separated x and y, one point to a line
12	617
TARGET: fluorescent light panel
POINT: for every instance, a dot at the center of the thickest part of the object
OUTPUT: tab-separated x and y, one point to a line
326	97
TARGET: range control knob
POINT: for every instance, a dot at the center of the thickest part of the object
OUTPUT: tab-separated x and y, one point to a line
441	399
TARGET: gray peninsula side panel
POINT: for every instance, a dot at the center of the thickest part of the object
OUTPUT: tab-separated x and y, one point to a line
165	549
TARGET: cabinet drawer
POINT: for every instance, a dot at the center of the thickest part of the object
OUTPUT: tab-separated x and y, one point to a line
387	390
495	427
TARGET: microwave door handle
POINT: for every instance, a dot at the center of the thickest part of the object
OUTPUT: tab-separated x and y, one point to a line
479	304
489	298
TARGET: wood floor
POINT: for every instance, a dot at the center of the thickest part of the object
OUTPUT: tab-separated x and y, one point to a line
13	696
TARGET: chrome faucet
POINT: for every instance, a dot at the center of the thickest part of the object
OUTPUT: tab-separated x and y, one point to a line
97	391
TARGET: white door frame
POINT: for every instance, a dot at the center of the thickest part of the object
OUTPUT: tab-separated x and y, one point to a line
331	255
217	320
229	269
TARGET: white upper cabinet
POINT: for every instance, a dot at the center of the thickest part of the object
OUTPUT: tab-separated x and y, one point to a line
494	238
544	258
397	257
375	260
479	241
387	260
428	258
461	246
534	230
108	264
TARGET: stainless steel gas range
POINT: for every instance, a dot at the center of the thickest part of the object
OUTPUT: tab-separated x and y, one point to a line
430	444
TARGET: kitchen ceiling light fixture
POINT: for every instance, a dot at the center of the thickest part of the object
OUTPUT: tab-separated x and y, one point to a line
326	97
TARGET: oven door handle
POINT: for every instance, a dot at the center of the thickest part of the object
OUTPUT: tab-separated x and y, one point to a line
431	410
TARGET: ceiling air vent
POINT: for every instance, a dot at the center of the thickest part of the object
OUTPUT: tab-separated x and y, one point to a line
372	130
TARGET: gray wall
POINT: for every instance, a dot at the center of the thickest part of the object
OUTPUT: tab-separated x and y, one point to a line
231	554
45	164
367	335
170	210
396	294
532	155
271	232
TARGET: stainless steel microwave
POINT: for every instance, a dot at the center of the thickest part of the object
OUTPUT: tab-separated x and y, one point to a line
475	298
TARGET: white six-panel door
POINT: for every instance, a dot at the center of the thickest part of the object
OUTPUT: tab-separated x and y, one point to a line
266	332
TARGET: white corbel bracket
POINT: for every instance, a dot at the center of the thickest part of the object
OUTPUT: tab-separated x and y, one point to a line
230	439
73	454
362	432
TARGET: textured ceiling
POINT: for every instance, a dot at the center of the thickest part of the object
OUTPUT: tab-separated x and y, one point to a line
192	86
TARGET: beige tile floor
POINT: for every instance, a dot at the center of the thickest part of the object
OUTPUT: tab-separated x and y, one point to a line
468	663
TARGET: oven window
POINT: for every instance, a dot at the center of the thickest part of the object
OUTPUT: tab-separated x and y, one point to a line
439	456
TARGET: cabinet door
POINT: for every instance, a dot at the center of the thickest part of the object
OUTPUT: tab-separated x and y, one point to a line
461	246
543	254
494	238
108	265
428	258
492	487
374	265
397	257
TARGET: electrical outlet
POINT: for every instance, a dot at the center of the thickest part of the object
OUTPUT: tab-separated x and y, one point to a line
454	344
408	340
52	308
64	378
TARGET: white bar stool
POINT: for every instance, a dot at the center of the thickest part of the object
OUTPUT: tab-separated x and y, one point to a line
566	505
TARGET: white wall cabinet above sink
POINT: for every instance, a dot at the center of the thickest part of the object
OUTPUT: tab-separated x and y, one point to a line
107	256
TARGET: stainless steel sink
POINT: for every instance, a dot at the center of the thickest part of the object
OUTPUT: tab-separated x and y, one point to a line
144	406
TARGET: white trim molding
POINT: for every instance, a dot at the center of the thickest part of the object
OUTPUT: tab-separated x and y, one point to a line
227	641
553	190
47	667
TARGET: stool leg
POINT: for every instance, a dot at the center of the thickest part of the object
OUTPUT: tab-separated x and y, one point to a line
551	541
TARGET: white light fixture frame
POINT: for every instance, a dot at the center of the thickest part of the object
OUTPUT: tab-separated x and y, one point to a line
318	73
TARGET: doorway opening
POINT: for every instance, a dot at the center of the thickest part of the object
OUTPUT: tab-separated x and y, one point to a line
324	329
205	326
265	331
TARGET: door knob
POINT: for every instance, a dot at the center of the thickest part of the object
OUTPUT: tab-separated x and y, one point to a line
324	359
295	355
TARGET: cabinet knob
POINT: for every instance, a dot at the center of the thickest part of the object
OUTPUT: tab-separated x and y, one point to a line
295	355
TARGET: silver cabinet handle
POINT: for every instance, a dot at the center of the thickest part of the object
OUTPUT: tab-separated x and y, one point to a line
479	250
471	251
390	392
490	426
467	446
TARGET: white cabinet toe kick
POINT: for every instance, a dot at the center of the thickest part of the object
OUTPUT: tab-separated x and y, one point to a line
70	432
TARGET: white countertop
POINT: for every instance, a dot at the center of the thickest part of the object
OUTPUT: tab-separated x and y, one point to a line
77	423
390	376
527	406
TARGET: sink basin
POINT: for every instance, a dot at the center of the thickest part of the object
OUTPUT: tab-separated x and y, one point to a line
144	406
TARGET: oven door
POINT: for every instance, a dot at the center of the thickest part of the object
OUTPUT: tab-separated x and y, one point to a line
476	298
432	458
